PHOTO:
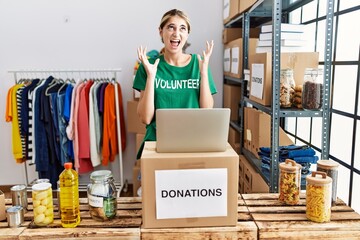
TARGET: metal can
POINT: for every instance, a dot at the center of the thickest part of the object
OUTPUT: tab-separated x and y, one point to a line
19	196
15	216
102	195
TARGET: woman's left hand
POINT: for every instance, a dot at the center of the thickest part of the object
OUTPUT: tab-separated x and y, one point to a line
204	62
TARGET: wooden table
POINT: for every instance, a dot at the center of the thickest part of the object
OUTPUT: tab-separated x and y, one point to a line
277	221
260	216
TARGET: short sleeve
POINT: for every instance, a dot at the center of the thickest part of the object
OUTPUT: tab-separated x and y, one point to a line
140	79
212	85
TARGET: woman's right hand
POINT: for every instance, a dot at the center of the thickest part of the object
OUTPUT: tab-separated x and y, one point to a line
149	68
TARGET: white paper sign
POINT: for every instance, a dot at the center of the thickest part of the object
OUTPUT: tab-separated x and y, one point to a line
226	9
235	60
191	193
257	80
227	60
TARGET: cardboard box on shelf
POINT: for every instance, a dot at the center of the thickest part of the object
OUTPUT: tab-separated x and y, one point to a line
234	137
134	124
261	72
253	181
180	189
236	63
230	34
257	129
231	98
230	9
245	5
2	206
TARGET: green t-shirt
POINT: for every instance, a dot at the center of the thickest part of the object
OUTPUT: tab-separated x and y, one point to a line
175	87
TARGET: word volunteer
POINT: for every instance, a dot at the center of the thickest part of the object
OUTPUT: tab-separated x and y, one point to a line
177	84
191	193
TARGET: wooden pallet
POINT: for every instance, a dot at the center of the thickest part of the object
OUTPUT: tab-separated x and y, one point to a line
277	221
245	229
127	225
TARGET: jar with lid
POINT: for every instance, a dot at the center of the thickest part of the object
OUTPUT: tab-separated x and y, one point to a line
289	182
42	204
330	167
318	197
312	89
102	195
287	85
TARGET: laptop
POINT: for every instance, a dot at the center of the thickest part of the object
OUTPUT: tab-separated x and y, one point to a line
192	130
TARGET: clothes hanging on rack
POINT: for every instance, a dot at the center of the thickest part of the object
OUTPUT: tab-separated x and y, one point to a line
53	118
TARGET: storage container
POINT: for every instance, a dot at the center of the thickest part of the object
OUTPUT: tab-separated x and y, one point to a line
331	169
289	182
312	89
287	85
102	195
42	204
318	197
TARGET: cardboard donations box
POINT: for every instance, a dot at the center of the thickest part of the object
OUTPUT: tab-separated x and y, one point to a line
189	189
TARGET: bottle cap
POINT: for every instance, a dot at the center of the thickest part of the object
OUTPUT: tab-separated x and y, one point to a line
68	165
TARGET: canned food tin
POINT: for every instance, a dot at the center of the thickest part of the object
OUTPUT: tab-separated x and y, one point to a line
15	216
19	196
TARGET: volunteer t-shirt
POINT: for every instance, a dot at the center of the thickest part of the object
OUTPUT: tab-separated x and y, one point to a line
175	87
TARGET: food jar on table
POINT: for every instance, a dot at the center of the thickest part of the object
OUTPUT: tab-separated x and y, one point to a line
42	204
318	197
331	169
102	195
289	182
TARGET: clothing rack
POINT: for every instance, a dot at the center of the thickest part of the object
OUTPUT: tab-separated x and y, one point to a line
33	73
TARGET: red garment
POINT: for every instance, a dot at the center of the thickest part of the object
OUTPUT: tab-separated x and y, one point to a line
83	130
110	144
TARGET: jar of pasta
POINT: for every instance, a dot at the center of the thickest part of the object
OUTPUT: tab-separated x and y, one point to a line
318	197
42	204
289	182
331	169
287	85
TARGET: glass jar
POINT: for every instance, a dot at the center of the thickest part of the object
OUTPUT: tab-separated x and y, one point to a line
318	197
42	204
287	85
289	182
312	89
330	167
102	195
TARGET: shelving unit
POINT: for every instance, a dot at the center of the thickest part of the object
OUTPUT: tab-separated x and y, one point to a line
262	12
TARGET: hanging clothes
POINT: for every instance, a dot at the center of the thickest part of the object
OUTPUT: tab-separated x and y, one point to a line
110	144
11	115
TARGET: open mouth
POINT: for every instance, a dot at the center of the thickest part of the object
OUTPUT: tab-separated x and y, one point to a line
175	43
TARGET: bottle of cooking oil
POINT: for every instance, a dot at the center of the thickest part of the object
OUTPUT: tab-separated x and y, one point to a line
69	197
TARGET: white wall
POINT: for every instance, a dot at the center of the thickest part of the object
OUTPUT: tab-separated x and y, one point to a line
92	34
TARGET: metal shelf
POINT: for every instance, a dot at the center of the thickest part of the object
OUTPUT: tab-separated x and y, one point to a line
233	80
261	12
285	112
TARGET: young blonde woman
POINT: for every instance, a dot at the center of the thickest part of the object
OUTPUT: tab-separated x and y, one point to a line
175	79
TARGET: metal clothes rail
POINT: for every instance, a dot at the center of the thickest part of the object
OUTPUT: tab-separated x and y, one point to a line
82	73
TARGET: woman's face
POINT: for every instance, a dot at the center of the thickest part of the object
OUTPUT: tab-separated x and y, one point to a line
174	34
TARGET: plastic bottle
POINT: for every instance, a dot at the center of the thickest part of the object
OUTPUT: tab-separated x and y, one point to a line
69	197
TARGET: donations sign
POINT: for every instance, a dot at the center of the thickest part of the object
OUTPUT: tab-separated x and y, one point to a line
191	193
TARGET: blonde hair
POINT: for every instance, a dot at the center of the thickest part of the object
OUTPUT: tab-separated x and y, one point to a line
174	12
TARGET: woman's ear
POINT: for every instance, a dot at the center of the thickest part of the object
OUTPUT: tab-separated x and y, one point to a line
160	33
